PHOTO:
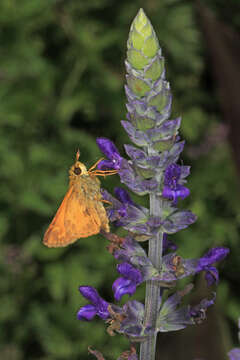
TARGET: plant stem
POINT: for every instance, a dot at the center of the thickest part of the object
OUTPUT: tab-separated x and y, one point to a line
153	296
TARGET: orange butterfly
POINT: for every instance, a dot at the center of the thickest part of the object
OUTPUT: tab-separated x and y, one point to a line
81	213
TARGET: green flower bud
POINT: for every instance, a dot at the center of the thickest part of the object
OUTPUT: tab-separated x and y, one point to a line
142	42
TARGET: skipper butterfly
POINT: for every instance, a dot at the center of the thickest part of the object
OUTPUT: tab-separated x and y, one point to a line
81	213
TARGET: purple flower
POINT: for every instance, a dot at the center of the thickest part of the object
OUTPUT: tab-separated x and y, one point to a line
176	219
198	312
126	203
129	250
172	189
174	267
234	354
172	317
135	182
98	305
110	150
123	196
127	284
205	262
123	210
132	324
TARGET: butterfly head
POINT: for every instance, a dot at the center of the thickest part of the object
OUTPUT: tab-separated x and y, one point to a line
78	169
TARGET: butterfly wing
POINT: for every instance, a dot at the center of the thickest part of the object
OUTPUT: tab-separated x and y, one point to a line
56	232
81	217
76	217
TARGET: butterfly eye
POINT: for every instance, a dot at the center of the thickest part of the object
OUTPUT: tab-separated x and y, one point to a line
77	171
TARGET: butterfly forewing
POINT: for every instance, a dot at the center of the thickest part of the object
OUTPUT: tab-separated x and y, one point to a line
56	232
81	217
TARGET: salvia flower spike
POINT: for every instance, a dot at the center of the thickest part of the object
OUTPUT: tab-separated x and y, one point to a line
152	168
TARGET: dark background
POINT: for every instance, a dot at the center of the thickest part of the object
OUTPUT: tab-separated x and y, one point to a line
61	86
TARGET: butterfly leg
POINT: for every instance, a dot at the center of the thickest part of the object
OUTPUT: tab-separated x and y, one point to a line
106	201
95	165
103	172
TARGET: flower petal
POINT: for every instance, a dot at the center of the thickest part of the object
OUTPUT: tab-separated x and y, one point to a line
90	294
173	194
212	275
110	150
87	312
130	272
234	354
106	165
198	312
172	175
212	256
123	286
99	303
123	196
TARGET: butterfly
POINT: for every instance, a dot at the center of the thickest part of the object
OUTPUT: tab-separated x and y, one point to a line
81	213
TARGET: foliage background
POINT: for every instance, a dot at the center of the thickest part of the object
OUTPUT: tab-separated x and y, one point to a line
61	86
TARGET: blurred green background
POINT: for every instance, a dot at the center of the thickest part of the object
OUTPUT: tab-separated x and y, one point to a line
61	86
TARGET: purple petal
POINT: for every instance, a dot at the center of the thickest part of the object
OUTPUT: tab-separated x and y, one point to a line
172	189
122	286
134	311
90	294
172	175
135	153
103	312
87	312
212	256
107	147
132	324
174	152
198	312
211	275
130	248
130	272
181	192
122	212
135	183
107	196
234	354
185	171
166	131
106	165
174	267
110	150
172	317
178	220
99	303
123	195
154	221
138	137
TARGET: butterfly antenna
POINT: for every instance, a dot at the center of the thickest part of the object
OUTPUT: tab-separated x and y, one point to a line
77	155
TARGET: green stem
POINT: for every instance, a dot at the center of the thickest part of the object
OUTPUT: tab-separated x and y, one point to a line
153	296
